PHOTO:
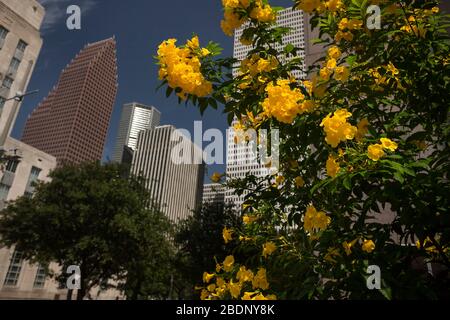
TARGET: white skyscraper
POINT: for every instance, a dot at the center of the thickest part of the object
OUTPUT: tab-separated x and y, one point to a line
239	156
135	118
293	19
214	193
176	187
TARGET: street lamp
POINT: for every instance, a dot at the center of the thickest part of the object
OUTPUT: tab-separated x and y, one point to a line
12	115
19	95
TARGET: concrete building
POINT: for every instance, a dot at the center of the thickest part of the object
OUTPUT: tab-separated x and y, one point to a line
173	168
214	193
135	117
18	278
20	44
72	122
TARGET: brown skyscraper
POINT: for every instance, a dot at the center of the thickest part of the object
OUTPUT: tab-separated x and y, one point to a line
72	122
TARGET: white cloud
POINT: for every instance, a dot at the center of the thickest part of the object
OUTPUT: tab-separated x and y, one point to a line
56	12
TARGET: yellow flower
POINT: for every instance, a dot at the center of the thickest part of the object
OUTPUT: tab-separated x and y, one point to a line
334	5
315	221
268	249
244	275
227	234
375	152
308	5
228	263
284	103
248	295
348	246
389	144
325	74
230	22
337	128
334	52
368	246
354	24
341	73
331	64
332	252
218	267
193	43
279	180
263	13
363	126
220	282
332	166
343	24
247	219
207	277
205	52
299	182
181	67
204	294
235	289
260	280
392	69
211	287
216	177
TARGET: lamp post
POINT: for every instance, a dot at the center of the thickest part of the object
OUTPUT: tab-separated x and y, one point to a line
18	98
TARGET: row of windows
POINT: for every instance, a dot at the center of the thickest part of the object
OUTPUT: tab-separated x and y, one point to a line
15	268
11	166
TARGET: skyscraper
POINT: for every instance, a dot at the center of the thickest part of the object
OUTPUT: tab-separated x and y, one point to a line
175	186
135	118
20	44
240	159
294	19
213	193
72	122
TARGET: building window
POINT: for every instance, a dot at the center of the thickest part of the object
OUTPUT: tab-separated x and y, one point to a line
41	275
3	33
14	66
12	165
33	176
22	46
4	190
2	104
15	267
7	83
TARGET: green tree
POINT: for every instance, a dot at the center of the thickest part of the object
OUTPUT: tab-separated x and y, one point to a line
364	149
92	216
200	243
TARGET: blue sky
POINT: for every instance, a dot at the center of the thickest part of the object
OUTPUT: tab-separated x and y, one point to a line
139	26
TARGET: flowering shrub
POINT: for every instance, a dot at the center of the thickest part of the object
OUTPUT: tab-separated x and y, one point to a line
363	152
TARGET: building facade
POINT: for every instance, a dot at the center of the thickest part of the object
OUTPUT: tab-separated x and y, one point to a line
135	117
294	19
20	44
18	278
214	193
173	168
72	122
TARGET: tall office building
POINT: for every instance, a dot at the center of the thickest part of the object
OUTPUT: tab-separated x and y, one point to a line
214	193
72	122
294	19
135	118
173	168
240	159
20	44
